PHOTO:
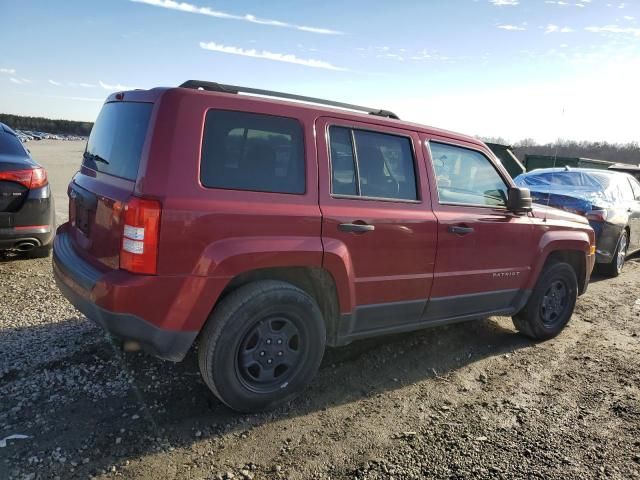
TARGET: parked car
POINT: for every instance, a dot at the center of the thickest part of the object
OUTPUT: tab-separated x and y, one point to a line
609	200
27	214
266	230
633	170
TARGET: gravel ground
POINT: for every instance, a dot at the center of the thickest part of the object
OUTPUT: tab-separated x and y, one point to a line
473	400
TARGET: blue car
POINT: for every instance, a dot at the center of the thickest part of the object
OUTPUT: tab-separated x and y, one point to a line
610	200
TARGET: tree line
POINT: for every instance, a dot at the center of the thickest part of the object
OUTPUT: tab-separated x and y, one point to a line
47	125
612	152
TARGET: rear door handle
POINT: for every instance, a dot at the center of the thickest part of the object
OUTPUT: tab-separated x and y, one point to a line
356	227
458	230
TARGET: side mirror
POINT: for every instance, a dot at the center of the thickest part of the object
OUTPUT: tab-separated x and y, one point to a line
519	200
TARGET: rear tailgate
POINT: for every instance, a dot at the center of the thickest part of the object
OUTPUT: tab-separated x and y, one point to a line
98	193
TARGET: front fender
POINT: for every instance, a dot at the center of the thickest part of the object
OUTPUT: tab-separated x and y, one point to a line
560	240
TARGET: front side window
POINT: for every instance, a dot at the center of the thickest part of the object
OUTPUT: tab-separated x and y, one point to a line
248	151
371	164
467	177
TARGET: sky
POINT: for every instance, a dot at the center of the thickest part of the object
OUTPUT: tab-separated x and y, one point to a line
540	69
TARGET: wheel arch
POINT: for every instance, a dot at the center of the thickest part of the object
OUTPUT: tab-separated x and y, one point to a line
576	259
565	245
317	282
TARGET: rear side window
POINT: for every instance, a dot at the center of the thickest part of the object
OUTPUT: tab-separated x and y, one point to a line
371	164
10	145
116	140
635	186
248	151
626	192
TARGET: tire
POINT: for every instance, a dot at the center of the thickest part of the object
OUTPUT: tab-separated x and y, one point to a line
262	345
39	252
551	303
614	268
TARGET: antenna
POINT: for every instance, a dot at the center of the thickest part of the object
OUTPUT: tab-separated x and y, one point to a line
555	160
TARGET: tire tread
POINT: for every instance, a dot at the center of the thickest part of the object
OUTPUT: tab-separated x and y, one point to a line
223	314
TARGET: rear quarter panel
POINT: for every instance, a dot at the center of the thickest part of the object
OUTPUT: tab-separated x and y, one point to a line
221	233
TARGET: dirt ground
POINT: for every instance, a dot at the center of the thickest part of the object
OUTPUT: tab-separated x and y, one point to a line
474	400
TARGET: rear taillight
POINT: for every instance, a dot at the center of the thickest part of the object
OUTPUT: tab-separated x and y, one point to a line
597	215
30	177
139	250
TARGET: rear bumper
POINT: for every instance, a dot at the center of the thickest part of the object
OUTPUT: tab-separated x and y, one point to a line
607	238
34	221
81	283
11	238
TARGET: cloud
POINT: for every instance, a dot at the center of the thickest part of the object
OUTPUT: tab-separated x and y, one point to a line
278	57
502	3
114	88
10	71
551	28
64	97
615	29
511	28
190	8
80	99
20	81
53	82
82	84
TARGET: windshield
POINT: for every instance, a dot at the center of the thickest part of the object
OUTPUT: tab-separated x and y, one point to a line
116	140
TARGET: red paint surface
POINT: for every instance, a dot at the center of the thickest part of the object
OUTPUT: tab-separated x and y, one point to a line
209	236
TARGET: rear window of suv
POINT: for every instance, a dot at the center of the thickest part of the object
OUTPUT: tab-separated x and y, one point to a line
116	140
248	151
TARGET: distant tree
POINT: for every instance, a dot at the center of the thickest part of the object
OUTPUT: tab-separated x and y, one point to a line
47	125
613	152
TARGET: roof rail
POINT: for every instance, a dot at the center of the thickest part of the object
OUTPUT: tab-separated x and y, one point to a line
219	87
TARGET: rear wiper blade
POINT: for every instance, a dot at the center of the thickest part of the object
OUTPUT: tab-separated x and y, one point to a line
94	157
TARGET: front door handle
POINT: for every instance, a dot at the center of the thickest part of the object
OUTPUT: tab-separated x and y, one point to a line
459	230
356	227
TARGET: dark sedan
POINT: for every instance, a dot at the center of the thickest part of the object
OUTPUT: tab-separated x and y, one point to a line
610	201
27	216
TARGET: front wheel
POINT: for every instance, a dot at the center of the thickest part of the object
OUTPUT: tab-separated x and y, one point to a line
551	303
262	345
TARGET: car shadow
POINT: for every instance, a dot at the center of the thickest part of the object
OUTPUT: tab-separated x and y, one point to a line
122	406
598	277
12	257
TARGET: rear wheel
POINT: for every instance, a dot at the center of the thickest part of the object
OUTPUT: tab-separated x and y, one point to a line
614	268
262	345
551	303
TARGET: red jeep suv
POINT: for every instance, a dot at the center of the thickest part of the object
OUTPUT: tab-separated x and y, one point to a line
264	230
